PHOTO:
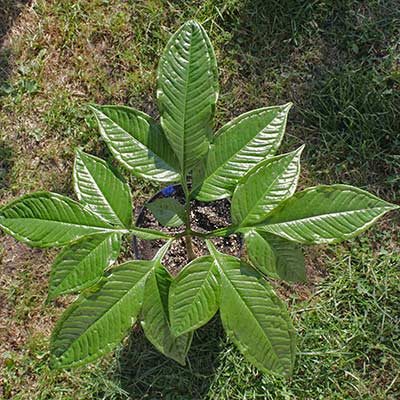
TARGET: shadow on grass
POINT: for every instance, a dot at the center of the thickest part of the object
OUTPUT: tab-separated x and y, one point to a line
9	11
337	62
144	372
5	164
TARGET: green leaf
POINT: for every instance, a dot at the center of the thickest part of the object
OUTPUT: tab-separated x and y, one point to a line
149	234
275	256
237	147
155	317
187	91
264	187
137	141
325	214
97	322
194	295
81	264
168	211
45	219
254	317
101	191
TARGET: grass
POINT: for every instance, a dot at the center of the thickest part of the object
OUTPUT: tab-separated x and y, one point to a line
336	61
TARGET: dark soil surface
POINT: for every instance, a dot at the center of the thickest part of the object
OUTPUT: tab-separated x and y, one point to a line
205	217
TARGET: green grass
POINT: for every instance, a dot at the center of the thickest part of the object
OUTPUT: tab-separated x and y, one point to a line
337	61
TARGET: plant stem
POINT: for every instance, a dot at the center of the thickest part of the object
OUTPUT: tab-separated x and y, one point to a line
188	238
189	248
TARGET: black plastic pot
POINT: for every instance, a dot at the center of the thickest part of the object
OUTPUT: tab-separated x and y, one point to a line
140	220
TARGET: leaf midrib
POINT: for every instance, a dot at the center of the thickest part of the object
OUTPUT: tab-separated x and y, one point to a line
339	213
187	75
101	228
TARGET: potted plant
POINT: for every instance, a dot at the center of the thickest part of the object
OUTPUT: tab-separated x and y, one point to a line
238	162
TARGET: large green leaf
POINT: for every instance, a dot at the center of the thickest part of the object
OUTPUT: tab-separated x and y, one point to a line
264	187
168	211
45	219
254	317
137	142
325	214
81	264
155	320
194	295
97	322
237	147
275	256
187	91
101	191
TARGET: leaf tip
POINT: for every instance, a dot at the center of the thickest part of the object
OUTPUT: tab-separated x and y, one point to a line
78	151
287	106
192	23
54	363
91	106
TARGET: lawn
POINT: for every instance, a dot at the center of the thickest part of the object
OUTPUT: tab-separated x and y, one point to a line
337	61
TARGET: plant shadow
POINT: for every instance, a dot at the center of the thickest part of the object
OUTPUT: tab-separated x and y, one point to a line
143	372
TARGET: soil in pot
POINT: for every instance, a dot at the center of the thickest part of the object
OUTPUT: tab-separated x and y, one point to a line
205	217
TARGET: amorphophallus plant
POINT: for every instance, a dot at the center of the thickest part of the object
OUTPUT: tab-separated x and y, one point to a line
239	162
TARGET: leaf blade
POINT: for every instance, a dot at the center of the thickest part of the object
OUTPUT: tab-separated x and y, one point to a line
275	256
325	214
81	264
97	322
155	317
104	193
187	91
264	187
264	332
45	219
194	295
168	211
137	142
237	147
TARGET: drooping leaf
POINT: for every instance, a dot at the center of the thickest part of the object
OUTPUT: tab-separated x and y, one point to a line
194	295
45	219
137	142
155	320
275	256
325	214
187	91
261	253
264	187
237	147
168	211
81	264
101	191
254	317
97	322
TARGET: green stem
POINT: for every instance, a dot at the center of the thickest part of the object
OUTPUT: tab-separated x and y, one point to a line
188	238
